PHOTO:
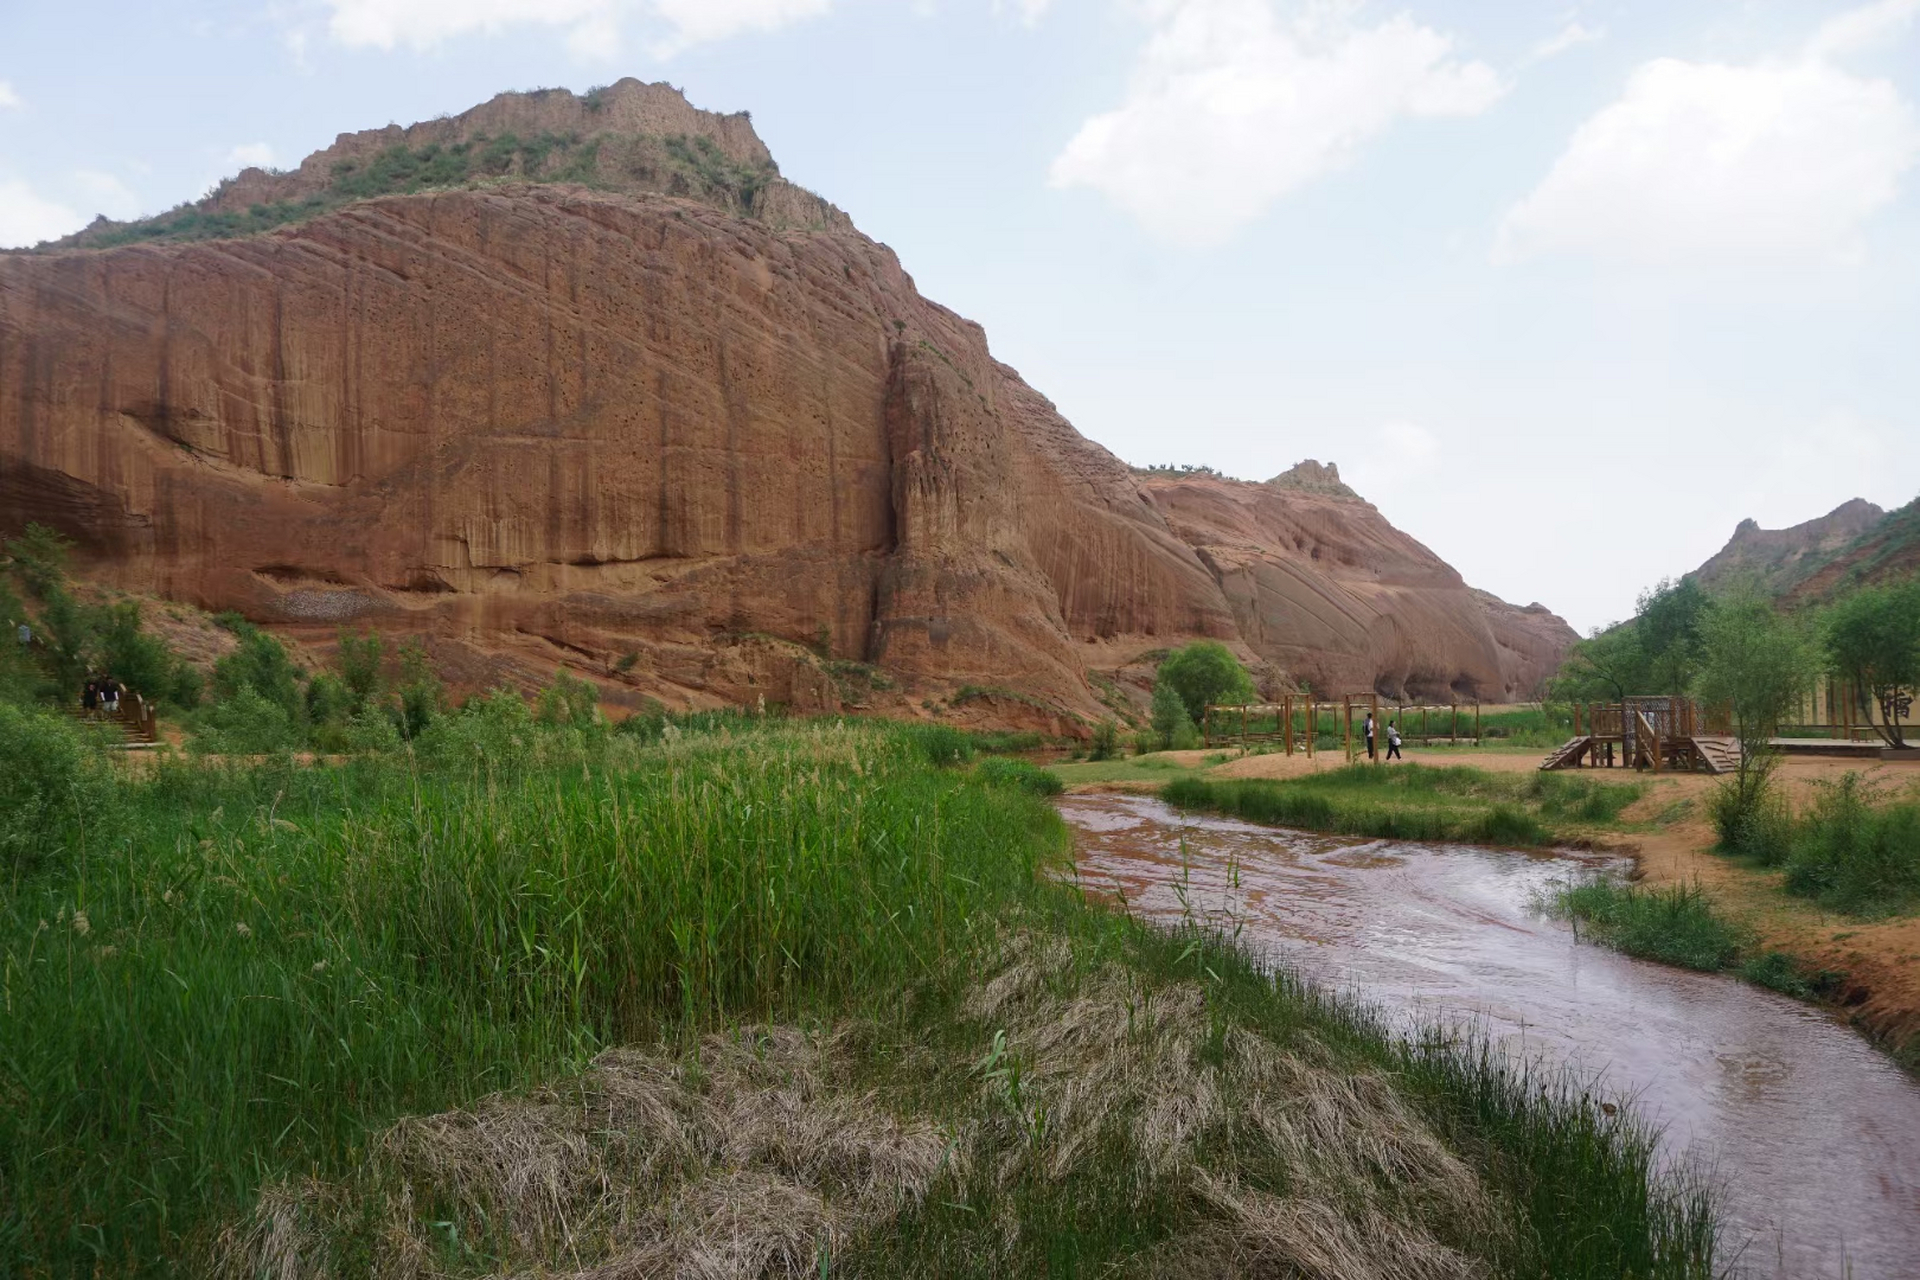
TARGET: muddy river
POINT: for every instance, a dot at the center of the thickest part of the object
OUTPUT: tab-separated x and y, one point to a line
1811	1136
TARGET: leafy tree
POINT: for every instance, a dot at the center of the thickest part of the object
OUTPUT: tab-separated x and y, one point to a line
1872	637
140	661
1757	664
1607	666
1667	622
1202	673
1169	718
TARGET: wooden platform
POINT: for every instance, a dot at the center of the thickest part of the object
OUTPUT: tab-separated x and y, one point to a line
1836	747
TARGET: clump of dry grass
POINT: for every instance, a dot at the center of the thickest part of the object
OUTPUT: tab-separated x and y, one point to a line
756	1155
749	1157
1293	1162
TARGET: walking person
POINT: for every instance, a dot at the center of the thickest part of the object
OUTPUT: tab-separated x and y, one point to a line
110	695
1368	729
90	695
1393	741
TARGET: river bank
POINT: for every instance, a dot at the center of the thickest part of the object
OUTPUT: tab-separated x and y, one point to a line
1871	967
1809	1135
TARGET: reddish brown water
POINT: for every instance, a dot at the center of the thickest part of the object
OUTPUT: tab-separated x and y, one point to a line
1811	1135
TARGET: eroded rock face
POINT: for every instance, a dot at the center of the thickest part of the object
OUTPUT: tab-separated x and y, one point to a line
1321	585
699	453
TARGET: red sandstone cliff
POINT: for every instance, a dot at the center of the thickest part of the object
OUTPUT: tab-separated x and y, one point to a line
716	442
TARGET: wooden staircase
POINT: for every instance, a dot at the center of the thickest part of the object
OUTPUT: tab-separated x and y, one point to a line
1717	755
135	723
1567	754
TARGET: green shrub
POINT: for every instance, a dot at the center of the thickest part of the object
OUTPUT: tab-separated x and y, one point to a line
493	733
1855	851
1105	743
260	666
50	788
371	730
1675	925
569	700
245	723
1752	820
1001	771
1780	972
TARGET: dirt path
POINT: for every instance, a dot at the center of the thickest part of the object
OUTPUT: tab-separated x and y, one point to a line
1879	961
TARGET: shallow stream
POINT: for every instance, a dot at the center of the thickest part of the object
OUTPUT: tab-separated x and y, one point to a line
1811	1135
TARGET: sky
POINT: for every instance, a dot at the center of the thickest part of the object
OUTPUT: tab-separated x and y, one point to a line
1566	289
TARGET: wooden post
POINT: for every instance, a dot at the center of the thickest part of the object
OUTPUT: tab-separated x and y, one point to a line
1346	704
1424	736
1476	724
1286	701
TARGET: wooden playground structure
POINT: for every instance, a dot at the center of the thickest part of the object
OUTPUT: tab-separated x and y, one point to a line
1299	722
1660	733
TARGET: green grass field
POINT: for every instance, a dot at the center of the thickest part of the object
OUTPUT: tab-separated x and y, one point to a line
805	998
1419	802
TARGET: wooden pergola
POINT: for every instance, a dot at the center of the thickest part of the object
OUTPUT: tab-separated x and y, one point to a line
1299	720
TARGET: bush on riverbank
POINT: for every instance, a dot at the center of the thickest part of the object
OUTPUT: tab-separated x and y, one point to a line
1678	925
1675	925
875	1033
1854	848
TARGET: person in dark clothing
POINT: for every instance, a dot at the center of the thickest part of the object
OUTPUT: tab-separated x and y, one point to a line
110	695
90	696
1393	741
1368	728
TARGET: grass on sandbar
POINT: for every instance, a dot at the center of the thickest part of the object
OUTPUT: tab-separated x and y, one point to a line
1417	802
1678	925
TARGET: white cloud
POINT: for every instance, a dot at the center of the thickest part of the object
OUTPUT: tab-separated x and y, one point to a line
252	155
1571	36
1778	162
696	21
8	98
26	218
1028	12
1232	107
593	26
1859	30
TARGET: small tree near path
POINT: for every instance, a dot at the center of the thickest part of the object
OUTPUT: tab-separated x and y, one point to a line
1757	664
1171	725
1873	639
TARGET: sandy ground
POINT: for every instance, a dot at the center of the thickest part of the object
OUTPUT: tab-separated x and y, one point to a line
1880	960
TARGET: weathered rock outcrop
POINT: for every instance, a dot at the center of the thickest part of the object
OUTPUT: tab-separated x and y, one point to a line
1320	584
1775	559
706	450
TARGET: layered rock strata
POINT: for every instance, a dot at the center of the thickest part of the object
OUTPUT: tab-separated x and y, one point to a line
703	451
